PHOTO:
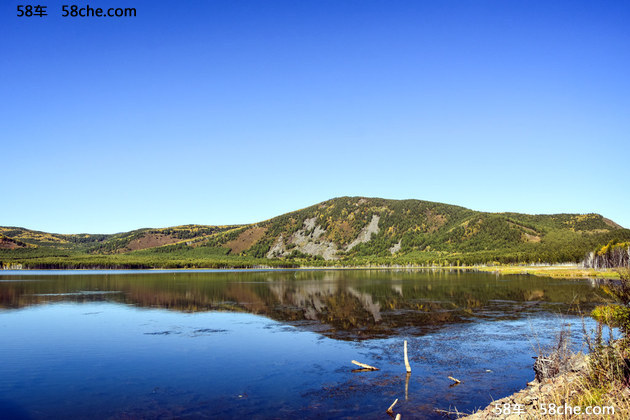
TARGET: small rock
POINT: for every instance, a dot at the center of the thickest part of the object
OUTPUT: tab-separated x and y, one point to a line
529	399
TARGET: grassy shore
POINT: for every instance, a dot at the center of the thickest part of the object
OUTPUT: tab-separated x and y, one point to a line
123	262
563	271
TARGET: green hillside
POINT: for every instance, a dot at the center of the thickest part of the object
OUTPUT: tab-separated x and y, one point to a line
341	231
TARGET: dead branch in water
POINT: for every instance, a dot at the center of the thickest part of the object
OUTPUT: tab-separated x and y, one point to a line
390	410
364	366
449	414
457	381
407	359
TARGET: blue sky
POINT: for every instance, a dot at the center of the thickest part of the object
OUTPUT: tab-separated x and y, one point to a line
220	112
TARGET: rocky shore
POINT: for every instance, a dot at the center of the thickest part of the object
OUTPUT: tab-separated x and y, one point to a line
540	394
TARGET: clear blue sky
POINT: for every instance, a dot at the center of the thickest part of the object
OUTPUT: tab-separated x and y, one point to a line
219	112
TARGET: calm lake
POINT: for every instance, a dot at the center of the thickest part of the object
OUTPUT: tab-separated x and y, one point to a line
272	344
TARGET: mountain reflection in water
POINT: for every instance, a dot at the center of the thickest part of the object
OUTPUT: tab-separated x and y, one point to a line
344	304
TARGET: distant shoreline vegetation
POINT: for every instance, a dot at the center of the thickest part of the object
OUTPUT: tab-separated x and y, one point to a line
342	232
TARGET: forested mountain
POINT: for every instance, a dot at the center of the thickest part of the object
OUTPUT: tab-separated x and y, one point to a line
341	231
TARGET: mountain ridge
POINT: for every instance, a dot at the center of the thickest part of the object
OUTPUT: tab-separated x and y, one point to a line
341	230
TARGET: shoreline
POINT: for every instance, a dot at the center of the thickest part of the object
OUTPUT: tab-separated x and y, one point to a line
566	271
531	401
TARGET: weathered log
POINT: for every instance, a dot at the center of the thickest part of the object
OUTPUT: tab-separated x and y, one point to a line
457	381
364	366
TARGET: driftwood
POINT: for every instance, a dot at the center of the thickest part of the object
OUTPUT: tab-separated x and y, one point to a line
364	366
390	410
407	386
407	359
457	381
398	416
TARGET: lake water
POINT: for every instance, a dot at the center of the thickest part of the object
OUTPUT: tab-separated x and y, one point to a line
272	344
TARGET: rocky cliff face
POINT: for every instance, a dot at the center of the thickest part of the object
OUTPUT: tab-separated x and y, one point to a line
613	255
